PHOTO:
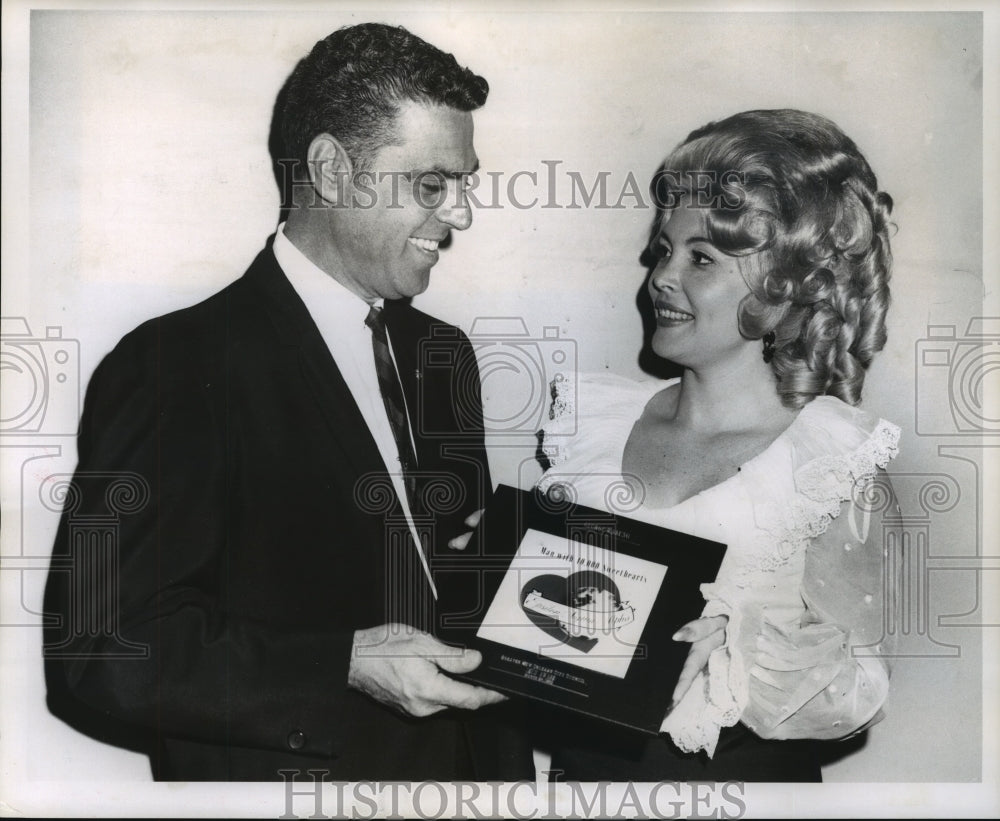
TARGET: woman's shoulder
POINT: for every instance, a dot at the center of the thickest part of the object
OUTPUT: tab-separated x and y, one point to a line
594	410
832	445
797	485
596	395
829	427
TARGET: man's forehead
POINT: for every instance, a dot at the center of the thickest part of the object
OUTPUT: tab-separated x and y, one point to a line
431	138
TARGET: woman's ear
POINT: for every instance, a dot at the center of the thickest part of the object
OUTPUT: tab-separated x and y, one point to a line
330	169
752	317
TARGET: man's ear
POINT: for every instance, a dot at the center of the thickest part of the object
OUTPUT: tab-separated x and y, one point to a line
330	169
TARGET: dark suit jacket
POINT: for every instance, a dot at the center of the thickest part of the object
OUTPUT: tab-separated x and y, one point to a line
231	524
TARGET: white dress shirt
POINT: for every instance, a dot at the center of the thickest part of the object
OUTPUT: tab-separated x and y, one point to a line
340	316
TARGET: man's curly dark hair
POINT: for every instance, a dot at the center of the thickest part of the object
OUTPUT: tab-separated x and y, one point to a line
351	84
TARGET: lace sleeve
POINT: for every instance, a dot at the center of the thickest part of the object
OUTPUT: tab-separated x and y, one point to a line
826	676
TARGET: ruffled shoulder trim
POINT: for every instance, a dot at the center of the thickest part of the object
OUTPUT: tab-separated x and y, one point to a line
837	445
593	410
831	447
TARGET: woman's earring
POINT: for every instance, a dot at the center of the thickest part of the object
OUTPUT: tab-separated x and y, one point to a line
768	340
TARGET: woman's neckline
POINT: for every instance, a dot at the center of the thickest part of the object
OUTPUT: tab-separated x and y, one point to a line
732	478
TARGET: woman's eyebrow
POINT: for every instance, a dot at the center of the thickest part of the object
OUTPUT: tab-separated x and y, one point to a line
662	235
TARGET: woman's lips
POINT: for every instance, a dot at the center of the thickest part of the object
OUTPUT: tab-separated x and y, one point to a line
669	315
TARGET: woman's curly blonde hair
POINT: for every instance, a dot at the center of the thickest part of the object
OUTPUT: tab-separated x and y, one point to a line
790	195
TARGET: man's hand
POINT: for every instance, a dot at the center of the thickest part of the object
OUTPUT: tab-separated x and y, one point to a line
705	635
471	522
400	666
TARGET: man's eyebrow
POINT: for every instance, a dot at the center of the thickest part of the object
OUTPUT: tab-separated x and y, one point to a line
445	172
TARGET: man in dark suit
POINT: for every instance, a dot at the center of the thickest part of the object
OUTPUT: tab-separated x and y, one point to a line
288	464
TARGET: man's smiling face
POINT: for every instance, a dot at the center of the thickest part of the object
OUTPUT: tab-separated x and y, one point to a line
386	233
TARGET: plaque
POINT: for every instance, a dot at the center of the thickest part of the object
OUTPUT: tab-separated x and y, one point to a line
577	606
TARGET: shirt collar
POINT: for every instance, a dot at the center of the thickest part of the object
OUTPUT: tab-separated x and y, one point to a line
312	282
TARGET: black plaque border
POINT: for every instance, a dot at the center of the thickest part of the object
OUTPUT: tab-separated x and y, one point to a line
638	701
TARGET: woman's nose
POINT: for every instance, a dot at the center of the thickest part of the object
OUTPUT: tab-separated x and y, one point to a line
664	276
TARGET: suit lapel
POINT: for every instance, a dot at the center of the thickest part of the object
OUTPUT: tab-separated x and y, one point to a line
296	329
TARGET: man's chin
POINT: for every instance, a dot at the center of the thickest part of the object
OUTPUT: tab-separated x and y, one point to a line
415	285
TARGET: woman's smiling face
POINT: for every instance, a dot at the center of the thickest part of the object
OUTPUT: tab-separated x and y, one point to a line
696	291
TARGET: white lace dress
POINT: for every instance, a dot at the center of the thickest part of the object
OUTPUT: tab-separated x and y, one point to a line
802	581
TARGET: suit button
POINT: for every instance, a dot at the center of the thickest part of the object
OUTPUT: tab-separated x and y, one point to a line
296	740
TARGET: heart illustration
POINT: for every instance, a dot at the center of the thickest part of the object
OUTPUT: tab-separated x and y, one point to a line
544	598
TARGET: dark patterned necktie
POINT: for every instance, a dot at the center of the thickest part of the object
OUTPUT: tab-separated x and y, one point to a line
395	407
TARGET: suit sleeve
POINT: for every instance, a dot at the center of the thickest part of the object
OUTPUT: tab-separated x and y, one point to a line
156	644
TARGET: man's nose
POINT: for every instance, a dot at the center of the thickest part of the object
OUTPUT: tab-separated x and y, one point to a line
455	211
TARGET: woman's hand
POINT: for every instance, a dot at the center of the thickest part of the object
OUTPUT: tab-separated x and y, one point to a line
705	634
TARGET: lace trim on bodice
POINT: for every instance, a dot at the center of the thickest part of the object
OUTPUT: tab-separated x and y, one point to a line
787	518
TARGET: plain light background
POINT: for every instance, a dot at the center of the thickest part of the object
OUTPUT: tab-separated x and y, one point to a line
146	186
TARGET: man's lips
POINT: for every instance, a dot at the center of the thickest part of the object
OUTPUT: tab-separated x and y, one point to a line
429	246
